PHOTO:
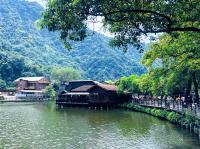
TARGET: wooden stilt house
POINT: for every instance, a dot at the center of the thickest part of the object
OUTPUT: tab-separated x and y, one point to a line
91	93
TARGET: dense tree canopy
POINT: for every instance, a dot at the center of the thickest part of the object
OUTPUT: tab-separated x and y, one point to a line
127	19
2	84
50	91
63	75
178	61
13	67
129	84
173	68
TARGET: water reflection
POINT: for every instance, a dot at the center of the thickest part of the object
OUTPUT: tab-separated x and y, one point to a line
45	126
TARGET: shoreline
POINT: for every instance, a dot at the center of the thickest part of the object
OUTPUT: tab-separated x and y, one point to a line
185	120
24	100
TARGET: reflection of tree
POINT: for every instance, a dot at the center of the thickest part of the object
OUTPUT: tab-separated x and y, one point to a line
83	128
127	121
104	117
136	122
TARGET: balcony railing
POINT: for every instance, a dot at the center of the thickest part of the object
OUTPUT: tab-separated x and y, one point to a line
174	105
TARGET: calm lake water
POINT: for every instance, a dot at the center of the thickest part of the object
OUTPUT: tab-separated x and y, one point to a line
42	126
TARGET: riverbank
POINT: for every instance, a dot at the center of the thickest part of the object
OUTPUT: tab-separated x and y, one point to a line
185	120
15	100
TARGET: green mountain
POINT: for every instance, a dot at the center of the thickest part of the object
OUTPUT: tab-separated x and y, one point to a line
20	36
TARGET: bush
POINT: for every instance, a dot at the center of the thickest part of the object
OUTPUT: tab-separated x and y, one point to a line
174	117
50	91
2	84
161	113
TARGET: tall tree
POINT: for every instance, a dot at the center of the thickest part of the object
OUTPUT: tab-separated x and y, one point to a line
127	19
63	75
178	62
129	84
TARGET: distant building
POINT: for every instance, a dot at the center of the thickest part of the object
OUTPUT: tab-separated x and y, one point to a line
31	87
91	93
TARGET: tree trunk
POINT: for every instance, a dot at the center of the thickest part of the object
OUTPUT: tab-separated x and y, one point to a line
188	89
195	87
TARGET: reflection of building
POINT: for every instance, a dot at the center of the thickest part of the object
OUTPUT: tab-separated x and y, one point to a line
31	87
92	93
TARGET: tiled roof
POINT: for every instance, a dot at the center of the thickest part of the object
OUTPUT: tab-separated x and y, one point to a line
107	87
83	88
86	88
82	81
31	79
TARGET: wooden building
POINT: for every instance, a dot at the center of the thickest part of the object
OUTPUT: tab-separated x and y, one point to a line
31	83
31	87
91	93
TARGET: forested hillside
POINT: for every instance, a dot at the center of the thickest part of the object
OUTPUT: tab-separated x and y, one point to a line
20	38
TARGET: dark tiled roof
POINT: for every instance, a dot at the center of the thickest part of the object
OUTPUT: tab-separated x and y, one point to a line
86	88
82	81
83	88
107	87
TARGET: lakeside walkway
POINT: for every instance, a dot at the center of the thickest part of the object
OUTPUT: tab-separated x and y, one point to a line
178	106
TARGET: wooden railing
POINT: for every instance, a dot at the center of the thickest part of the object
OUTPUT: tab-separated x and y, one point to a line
174	105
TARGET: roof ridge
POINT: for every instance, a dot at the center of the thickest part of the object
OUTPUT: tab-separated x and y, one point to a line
107	86
29	78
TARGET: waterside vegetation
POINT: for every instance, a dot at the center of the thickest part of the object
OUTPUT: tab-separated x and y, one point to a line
173	65
185	120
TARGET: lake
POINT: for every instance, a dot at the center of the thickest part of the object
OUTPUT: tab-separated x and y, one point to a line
42	126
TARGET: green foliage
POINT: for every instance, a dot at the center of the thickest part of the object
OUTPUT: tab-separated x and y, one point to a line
173	63
174	117
159	113
127	19
2	84
129	84
11	88
138	84
63	75
13	67
93	57
50	91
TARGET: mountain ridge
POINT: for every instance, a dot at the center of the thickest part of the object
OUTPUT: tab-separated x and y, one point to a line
93	57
